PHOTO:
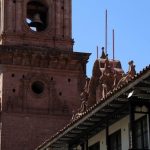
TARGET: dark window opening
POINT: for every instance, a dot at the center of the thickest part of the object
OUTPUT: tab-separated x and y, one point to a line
82	146
95	146
141	134
37	15
38	87
115	141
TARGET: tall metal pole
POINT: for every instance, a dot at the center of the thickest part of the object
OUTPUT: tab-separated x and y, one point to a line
106	32
113	45
97	52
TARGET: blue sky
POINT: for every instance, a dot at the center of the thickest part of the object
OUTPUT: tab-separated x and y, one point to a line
129	18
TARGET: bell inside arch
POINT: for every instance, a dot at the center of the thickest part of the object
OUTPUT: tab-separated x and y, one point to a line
37	23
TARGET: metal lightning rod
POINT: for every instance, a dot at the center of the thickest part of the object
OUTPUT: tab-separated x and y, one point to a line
106	32
97	52
113	44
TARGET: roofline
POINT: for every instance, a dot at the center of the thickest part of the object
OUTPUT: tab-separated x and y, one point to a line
92	110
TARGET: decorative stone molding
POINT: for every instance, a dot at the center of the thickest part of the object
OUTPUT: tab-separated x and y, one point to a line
43	58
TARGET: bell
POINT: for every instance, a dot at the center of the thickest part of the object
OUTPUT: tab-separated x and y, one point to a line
36	22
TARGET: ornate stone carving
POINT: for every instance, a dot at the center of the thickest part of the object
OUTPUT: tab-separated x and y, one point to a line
17	59
84	96
131	71
105	77
25	94
36	60
26	59
84	100
130	74
94	83
44	61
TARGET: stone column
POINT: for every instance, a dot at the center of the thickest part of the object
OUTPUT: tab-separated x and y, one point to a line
51	17
2	2
131	127
87	144
9	15
67	18
107	136
58	18
19	15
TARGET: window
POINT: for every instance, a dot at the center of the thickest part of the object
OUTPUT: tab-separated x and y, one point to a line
141	133
95	146
115	141
82	146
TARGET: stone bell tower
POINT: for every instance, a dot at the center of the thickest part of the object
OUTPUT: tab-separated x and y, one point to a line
36	22
40	74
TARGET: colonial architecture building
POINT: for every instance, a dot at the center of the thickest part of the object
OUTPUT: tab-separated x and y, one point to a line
114	114
41	77
43	86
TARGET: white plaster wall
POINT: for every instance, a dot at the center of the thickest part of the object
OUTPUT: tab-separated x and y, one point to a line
123	125
100	137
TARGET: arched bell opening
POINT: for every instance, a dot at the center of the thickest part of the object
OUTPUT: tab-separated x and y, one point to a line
37	15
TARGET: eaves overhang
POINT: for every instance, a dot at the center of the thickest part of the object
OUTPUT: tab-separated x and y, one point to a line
95	118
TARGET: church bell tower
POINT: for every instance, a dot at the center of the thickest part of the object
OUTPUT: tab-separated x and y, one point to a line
36	22
41	77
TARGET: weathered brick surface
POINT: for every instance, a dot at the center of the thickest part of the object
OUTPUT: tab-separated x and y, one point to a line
29	118
40	76
26	132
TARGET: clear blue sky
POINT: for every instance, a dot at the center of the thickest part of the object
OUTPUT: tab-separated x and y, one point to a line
129	18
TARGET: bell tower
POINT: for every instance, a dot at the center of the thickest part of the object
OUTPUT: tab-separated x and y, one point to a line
41	77
36	22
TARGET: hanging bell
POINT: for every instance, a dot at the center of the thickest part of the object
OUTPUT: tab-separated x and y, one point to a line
37	22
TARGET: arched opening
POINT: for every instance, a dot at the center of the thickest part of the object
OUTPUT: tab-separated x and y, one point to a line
37	15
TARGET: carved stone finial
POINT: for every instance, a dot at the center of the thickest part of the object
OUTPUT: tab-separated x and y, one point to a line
131	71
130	74
103	56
